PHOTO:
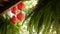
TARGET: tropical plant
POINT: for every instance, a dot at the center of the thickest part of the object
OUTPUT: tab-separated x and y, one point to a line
45	17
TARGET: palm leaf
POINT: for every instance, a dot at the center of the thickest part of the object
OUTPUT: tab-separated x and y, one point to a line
46	12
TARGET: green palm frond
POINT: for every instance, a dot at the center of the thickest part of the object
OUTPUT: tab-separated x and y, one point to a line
47	12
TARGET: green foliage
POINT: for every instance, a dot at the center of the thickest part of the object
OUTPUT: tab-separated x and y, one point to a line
44	18
6	27
47	13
